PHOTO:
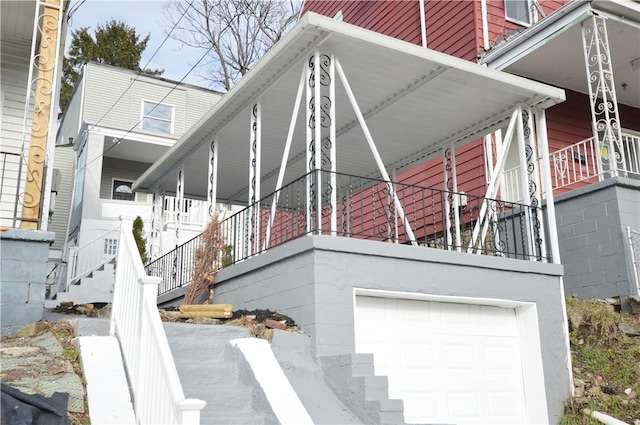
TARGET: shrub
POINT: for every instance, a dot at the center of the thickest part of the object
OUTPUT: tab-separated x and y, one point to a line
207	260
141	242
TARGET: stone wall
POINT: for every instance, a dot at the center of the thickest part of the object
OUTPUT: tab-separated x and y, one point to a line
23	273
592	234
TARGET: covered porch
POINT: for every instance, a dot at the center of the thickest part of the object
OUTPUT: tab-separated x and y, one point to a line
311	139
590	49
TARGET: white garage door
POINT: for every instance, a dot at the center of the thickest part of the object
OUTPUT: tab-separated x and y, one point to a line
449	362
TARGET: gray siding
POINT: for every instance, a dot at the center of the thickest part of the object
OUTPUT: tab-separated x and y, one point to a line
64	161
120	169
105	84
70	124
199	102
592	235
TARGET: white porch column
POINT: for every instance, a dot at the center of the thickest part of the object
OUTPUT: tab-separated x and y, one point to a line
523	132
255	155
452	201
212	181
492	188
310	163
157	213
605	120
321	140
179	203
541	125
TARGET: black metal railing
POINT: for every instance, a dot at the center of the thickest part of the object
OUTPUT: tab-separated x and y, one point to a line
365	208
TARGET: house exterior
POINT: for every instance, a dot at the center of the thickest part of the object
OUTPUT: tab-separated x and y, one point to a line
594	150
30	63
118	122
309	140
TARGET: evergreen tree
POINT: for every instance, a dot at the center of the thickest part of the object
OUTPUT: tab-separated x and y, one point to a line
115	44
138	231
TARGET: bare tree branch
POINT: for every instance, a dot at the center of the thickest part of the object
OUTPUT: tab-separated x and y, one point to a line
237	32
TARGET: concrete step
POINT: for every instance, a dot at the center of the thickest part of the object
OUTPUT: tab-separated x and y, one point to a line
107	390
213	371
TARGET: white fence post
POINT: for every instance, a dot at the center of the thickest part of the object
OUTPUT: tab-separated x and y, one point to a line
190	411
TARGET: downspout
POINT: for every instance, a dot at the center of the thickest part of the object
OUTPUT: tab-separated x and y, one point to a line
423	24
485	25
601	417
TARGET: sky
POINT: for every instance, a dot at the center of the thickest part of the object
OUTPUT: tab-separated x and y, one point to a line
147	17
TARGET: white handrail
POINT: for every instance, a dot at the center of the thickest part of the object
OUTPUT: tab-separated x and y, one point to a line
581	162
87	258
154	381
575	163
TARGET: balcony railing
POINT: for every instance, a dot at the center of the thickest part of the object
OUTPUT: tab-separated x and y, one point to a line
366	209
194	211
581	163
584	161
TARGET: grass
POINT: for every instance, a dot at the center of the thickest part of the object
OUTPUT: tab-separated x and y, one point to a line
606	360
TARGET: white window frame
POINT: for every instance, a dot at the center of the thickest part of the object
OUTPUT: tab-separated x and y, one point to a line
520	21
143	116
113	187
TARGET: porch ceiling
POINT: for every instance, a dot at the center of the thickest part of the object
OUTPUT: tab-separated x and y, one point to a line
416	102
16	20
552	50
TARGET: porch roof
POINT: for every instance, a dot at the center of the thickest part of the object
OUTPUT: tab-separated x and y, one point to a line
416	101
551	50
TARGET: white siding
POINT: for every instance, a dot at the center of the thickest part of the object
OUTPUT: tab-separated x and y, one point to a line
64	161
14	72
70	124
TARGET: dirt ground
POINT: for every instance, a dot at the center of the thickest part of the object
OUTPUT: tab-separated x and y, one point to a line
606	362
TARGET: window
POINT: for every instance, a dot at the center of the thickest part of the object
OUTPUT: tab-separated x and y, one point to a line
518	11
157	117
122	190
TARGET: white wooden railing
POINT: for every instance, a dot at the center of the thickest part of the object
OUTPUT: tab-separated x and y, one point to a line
580	162
90	256
511	188
631	146
154	382
575	163
193	211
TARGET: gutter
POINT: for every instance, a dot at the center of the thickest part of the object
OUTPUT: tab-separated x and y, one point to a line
539	33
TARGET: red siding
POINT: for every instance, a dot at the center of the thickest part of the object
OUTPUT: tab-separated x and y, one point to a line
398	19
499	27
452	27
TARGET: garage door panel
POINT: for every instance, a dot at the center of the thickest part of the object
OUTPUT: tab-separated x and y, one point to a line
450	363
417	358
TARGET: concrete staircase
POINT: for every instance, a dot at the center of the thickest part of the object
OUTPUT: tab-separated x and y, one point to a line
352	378
212	370
97	286
336	390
